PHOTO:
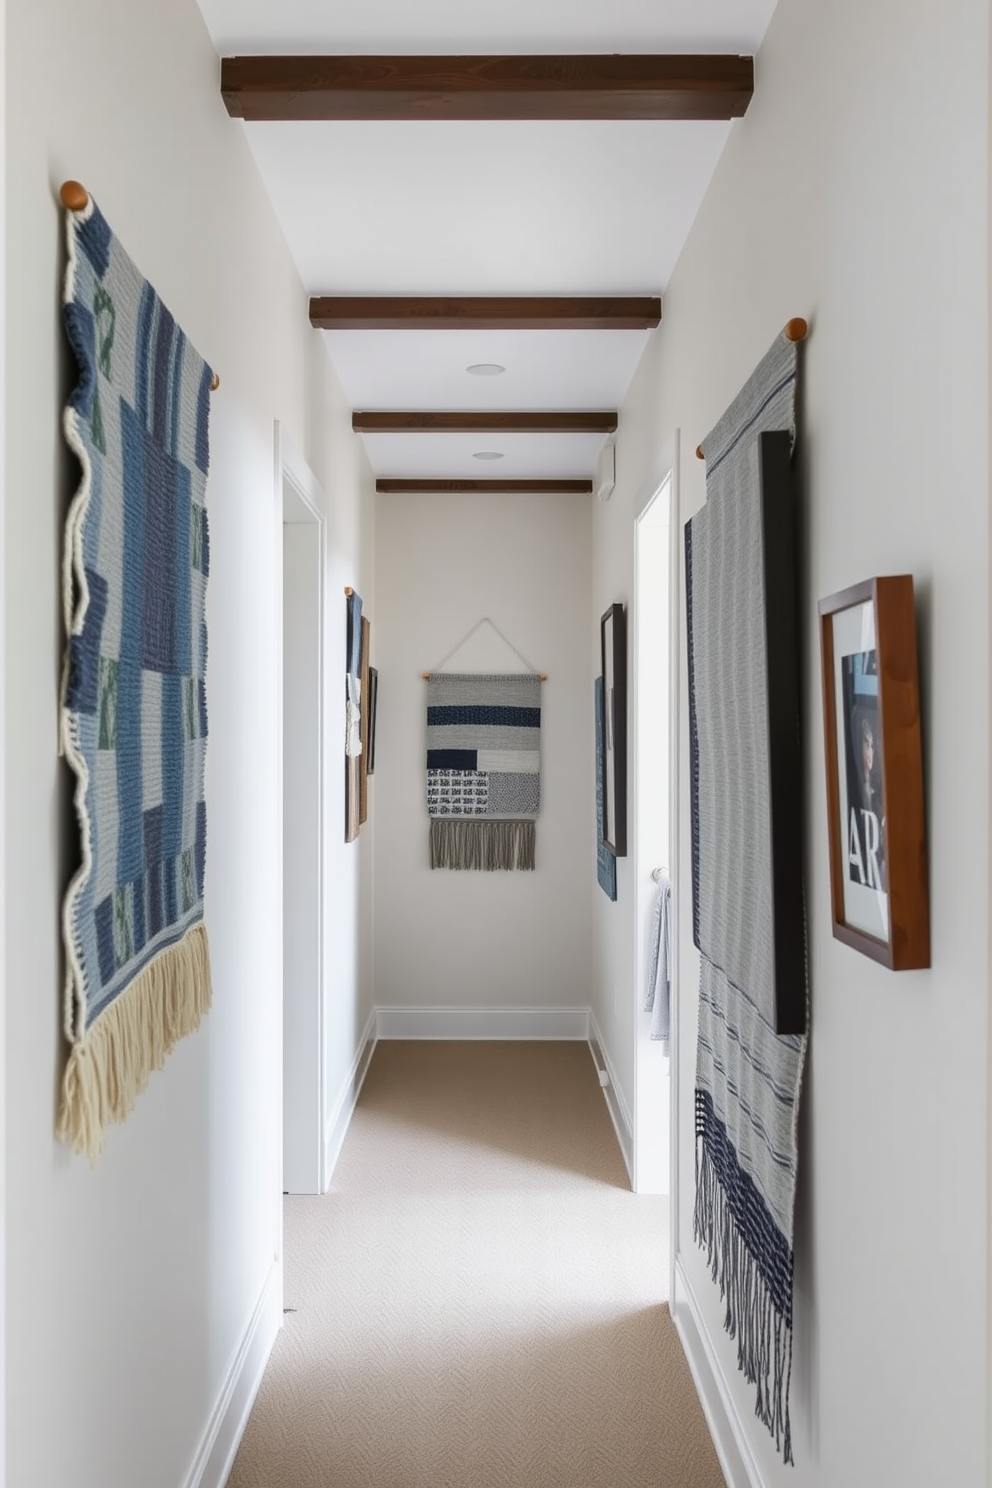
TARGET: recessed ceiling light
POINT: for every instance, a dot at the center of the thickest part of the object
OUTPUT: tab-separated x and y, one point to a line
488	455
485	369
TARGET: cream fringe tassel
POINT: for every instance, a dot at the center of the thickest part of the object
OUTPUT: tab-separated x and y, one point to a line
461	843
108	1070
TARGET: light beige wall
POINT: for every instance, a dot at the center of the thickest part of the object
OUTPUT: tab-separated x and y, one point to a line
130	1288
483	940
855	193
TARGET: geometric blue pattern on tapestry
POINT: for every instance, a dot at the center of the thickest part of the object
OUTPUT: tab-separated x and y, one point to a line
137	559
483	745
483	769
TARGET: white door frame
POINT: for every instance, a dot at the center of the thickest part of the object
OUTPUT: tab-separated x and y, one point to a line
665	469
3	772
293	477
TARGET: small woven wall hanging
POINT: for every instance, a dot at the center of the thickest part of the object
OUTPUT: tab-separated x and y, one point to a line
483	767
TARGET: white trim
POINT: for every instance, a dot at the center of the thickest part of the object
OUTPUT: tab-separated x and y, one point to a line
215	1456
652	1170
674	835
3	761
292	470
344	1107
613	1095
730	1439
482	1023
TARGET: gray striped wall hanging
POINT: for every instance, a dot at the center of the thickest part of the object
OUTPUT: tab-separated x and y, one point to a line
748	913
483	769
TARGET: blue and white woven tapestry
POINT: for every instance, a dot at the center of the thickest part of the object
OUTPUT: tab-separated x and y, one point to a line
483	769
134	711
748	1076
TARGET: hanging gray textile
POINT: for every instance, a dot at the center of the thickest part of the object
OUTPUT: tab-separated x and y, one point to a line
748	1075
658	995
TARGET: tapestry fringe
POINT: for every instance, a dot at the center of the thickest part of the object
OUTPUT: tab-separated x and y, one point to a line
763	1334
110	1067
489	845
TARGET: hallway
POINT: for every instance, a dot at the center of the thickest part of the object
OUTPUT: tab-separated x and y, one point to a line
479	1300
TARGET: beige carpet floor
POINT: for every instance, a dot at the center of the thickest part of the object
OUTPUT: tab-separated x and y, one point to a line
479	1302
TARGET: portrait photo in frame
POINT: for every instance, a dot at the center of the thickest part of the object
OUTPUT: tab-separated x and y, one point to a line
613	644
874	769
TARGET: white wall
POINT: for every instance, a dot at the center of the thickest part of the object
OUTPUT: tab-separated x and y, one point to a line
855	193
644	453
130	1288
347	503
483	940
3	763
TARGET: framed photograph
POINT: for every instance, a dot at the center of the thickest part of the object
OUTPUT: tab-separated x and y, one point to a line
874	765
613	642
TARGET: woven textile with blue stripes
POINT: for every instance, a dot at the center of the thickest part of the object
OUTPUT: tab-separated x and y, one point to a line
748	1076
483	769
134	710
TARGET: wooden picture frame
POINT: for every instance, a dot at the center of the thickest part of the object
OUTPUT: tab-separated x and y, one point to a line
874	769
613	647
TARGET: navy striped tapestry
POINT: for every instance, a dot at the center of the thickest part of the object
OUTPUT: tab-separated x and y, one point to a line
748	1076
134	704
483	768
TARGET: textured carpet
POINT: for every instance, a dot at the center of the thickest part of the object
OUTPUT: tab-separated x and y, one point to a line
479	1300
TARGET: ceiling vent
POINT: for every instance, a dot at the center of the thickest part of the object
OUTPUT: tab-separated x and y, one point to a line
606	471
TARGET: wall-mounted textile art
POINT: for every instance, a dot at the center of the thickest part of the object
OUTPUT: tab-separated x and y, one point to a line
606	862
134	710
483	769
748	908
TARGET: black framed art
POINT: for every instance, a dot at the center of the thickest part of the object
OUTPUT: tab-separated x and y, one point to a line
613	645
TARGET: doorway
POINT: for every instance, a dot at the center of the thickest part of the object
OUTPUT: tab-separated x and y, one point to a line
655	632
302	826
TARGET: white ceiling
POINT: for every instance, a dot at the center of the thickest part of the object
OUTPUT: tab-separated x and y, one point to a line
473	208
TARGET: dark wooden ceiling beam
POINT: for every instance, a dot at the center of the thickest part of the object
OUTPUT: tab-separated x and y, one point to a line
614	86
419	485
484	313
455	422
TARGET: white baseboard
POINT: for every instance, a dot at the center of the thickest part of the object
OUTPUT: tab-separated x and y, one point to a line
344	1106
615	1103
483	1023
737	1460
215	1457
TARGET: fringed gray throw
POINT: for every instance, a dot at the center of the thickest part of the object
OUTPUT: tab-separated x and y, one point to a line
483	769
748	1076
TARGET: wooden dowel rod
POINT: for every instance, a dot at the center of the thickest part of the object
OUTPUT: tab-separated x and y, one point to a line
74	197
796	329
214	383
348	590
427	676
